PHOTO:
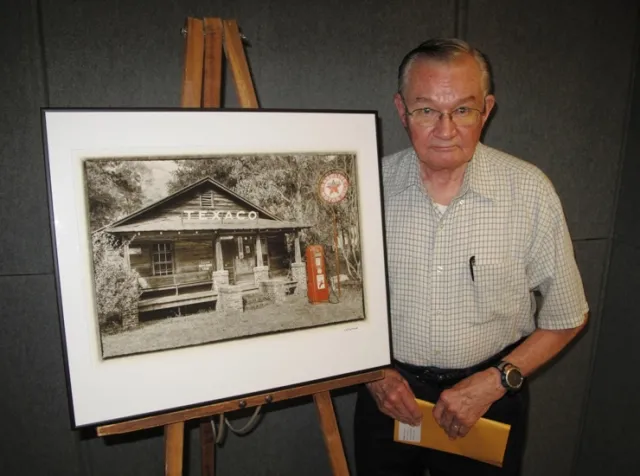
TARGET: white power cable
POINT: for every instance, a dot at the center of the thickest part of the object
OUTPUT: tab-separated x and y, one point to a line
219	433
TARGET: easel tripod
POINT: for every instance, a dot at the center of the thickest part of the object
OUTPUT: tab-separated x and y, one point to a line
201	87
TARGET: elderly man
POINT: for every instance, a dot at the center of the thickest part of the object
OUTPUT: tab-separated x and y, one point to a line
472	234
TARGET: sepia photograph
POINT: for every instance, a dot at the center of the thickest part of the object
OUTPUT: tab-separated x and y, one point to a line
203	255
190	251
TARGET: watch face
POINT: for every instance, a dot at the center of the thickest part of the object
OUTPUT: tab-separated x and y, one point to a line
514	378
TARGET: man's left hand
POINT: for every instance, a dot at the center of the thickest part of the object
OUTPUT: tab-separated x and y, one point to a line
461	406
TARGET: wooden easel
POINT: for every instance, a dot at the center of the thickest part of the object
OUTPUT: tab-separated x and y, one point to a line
203	74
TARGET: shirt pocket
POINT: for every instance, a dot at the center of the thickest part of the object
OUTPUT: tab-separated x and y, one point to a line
496	289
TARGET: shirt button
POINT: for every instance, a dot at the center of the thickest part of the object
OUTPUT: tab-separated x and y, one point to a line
461	201
439	269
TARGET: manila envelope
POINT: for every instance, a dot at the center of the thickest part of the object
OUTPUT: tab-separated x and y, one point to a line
486	441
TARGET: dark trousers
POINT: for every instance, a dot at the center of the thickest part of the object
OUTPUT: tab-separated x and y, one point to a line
378	455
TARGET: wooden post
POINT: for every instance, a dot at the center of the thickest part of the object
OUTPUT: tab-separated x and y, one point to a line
296	245
331	433
173	448
219	260
239	66
336	250
207	449
212	62
193	66
259	261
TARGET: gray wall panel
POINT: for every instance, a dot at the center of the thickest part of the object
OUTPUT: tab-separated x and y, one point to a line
627	225
559	390
610	438
303	54
26	247
132	454
562	73
33	403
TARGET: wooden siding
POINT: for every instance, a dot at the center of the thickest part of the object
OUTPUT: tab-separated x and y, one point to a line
190	256
141	261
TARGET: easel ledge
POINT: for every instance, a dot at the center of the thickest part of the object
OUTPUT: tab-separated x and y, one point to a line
233	405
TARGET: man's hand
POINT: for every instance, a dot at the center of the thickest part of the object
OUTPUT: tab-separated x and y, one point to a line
461	406
395	398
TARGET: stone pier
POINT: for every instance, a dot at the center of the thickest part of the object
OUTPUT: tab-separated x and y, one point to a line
220	278
299	274
229	298
274	289
261	273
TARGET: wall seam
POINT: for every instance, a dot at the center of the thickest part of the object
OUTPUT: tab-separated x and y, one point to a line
43	53
461	15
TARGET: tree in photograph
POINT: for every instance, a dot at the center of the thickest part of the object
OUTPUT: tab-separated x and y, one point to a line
113	189
348	221
116	285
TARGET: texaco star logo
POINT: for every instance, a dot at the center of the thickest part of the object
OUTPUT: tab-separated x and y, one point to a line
333	187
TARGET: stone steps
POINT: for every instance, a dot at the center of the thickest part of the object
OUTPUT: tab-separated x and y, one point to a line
255	301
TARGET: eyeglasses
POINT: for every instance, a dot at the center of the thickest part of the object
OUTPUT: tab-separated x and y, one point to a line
462	116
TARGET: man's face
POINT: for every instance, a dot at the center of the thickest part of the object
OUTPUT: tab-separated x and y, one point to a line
444	86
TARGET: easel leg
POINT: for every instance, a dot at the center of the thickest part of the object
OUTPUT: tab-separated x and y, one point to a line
331	433
173	448
207	449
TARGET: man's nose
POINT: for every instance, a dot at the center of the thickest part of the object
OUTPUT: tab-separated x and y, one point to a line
445	127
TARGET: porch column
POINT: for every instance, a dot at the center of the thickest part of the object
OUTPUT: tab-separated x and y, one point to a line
296	242
260	272
220	276
298	269
126	252
259	261
219	262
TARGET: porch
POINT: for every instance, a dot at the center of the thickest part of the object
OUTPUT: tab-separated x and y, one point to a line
186	289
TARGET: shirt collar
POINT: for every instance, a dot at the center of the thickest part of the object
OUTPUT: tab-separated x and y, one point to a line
478	177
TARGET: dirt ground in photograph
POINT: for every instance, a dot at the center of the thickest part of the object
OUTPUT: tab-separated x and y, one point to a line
207	327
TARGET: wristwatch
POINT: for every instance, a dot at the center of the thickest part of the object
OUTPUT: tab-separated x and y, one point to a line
510	376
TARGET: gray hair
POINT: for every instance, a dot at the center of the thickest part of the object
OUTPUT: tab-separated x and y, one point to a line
445	49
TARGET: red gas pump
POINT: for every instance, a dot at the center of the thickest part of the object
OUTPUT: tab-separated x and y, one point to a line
317	282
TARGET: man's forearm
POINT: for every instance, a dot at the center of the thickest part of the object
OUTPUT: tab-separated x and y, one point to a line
540	347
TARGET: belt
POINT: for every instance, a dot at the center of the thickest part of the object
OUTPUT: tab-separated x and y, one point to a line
446	377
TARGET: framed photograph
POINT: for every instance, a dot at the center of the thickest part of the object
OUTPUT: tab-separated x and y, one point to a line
207	255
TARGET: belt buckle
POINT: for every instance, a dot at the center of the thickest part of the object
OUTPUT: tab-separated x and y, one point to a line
431	376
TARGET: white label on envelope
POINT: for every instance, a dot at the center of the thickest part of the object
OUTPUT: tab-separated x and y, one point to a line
409	433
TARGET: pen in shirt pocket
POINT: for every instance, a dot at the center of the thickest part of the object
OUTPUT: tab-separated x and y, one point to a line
472	263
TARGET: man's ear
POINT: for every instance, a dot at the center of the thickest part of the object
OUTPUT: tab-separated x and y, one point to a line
400	107
489	103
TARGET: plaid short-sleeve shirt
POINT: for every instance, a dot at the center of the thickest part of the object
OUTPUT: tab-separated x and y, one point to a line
462	282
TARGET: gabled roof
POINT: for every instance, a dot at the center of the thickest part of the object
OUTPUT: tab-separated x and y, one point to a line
266	221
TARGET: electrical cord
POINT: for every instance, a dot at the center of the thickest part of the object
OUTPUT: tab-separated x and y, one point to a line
223	424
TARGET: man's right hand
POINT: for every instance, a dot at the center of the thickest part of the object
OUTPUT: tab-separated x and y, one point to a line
395	398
